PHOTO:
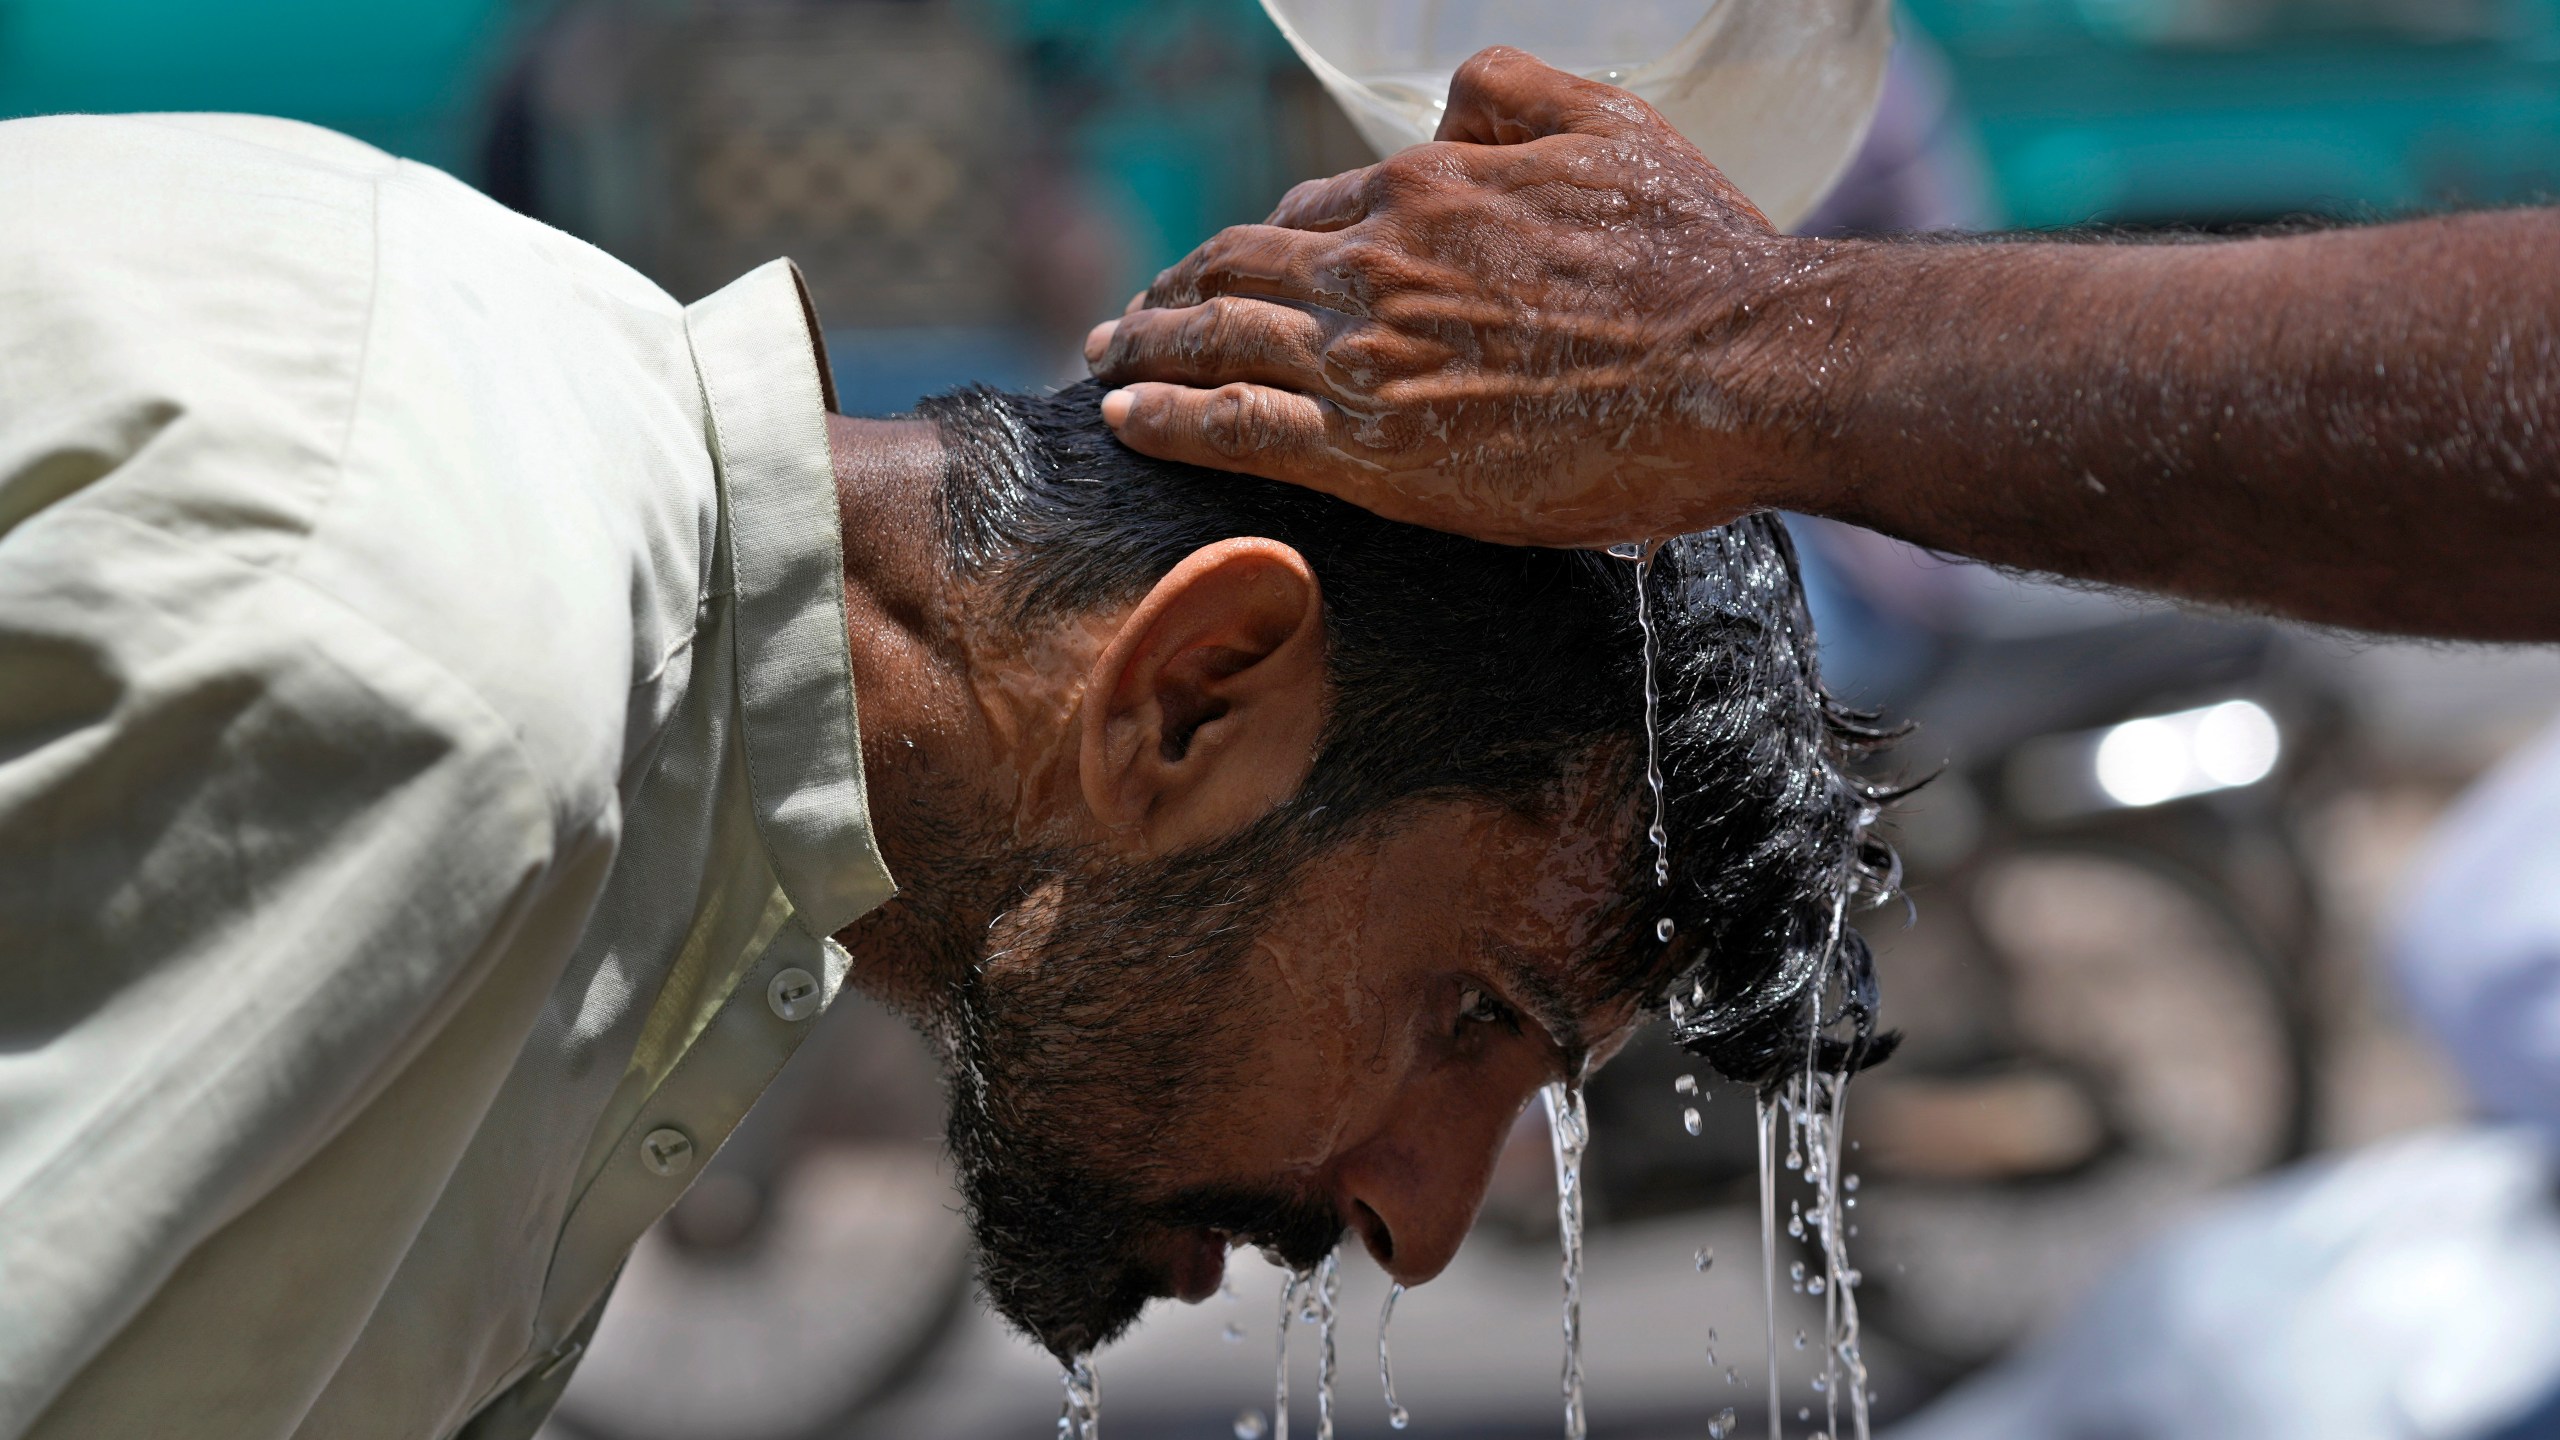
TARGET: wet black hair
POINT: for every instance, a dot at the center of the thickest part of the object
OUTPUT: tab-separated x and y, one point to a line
1466	670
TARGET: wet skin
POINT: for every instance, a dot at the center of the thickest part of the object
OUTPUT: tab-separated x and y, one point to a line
1561	325
1412	1002
1409	997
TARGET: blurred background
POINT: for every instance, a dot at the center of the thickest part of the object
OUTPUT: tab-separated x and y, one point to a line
2171	1103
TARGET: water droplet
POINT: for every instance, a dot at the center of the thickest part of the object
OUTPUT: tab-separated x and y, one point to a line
1690	1122
1688	1085
1251	1426
1705	1257
1662	928
1849	1183
1233	1334
1813	1286
1722	1425
1396	1415
1799	1339
1796	1271
1627	550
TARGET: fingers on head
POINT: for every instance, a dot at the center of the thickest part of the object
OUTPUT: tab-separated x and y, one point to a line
1332	203
1223	338
1503	96
1270	261
1257	429
1386	191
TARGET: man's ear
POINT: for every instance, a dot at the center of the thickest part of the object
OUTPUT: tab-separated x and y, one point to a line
1203	711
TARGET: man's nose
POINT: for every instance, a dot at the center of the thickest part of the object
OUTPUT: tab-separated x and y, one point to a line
1412	1192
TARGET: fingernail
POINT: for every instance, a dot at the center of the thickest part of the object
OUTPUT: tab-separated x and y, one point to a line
1097	340
1115	408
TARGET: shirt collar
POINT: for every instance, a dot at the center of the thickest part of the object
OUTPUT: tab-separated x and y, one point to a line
766	389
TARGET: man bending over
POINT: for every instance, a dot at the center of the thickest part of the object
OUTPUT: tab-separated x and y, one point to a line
460	714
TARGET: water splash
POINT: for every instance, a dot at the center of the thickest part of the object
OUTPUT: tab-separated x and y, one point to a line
1396	1416
1328	1292
1819	1106
1280	1387
1570	1128
1080	1418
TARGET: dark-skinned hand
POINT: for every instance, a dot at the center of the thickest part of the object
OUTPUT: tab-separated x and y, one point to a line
1535	329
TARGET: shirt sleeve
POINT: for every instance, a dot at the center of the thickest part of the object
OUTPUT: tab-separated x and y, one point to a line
253	854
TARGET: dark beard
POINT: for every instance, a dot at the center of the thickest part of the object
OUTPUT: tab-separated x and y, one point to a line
1067	1075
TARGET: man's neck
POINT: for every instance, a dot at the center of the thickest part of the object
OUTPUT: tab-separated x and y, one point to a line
920	728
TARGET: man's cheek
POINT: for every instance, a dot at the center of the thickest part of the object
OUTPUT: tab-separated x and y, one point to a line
1308	1089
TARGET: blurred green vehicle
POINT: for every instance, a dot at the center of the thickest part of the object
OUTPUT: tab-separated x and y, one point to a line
2213	112
2138	111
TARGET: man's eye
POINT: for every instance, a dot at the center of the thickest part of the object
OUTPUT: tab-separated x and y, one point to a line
1474	1004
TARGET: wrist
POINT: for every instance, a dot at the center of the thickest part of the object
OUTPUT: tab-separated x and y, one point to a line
1774	363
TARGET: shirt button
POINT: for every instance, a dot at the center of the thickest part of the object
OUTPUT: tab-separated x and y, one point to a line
568	1351
666	1150
793	994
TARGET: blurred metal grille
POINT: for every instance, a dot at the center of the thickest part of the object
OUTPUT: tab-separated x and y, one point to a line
866	139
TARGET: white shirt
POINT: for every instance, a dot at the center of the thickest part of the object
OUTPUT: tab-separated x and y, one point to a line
428	771
2477	942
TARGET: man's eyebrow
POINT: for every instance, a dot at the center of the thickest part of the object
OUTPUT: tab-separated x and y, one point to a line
1555	1009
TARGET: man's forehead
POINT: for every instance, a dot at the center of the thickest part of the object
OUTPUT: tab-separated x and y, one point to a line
1556	918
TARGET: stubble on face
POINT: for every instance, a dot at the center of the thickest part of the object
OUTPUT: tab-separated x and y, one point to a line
1100	1018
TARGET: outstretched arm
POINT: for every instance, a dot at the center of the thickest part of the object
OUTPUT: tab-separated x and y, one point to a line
1561	325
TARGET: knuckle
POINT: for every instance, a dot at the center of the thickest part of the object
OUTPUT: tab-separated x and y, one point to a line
1210	330
1362	358
1358	258
1482	64
1303	195
1238	422
1136	339
1409	173
1368	272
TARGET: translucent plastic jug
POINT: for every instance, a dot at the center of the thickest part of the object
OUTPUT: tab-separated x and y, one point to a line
1776	92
